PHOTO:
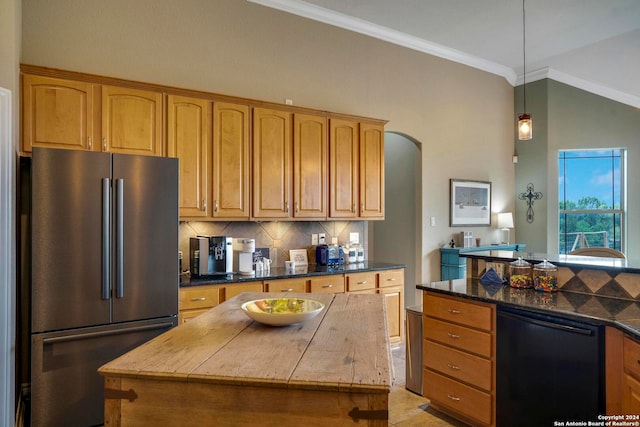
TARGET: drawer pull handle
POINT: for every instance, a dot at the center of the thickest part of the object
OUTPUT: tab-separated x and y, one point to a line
199	299
364	282
392	279
286	290
454	367
453	311
453	398
453	336
327	286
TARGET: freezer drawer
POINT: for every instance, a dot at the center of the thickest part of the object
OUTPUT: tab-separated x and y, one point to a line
66	389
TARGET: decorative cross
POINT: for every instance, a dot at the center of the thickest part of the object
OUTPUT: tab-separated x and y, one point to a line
530	195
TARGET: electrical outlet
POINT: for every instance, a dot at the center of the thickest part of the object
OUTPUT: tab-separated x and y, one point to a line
334	240
354	237
322	238
314	239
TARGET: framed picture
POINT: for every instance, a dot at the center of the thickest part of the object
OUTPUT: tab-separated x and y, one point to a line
299	256
470	203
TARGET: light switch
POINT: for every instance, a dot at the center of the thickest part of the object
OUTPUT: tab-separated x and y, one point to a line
314	239
433	221
354	237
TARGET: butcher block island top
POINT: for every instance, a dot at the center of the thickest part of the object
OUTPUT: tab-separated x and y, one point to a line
222	368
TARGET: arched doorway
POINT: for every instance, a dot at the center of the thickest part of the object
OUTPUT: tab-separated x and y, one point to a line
399	237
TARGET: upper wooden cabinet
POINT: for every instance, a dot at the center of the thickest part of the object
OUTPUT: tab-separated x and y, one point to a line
309	166
132	121
371	171
343	167
239	161
271	163
356	162
188	139
70	114
231	171
57	113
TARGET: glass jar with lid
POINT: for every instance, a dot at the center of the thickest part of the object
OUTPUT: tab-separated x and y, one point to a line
545	277
520	274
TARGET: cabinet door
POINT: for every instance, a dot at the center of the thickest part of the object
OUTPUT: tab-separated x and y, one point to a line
271	163
230	161
309	166
131	121
56	113
188	130
371	171
343	168
394	299
630	395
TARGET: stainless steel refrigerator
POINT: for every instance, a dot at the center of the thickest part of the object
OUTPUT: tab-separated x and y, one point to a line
104	272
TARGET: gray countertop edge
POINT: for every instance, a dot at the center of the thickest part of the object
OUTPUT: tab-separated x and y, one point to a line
312	270
631	326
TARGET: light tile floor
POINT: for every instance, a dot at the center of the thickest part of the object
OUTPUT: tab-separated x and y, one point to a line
407	409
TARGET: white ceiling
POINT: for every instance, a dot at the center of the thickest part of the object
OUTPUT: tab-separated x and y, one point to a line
590	44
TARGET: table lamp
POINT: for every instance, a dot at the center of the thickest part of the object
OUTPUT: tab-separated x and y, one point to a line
505	222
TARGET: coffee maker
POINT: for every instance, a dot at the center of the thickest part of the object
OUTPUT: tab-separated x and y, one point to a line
211	255
243	254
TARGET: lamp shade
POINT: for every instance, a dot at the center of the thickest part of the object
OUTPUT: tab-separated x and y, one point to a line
505	220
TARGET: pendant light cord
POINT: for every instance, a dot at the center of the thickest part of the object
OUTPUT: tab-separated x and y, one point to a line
524	60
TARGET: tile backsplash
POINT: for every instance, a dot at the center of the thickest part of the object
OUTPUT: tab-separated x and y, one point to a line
278	236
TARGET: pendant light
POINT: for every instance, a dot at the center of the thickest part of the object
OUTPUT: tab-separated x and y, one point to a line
525	125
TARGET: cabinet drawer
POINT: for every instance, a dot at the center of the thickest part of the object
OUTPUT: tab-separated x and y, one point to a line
457	336
327	284
391	278
458	397
286	285
199	297
233	290
360	281
631	351
463	366
458	311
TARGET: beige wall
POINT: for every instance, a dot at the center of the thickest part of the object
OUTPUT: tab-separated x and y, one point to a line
463	117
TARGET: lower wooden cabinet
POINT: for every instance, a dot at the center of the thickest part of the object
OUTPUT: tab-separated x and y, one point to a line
286	285
195	300
238	288
390	283
631	377
459	358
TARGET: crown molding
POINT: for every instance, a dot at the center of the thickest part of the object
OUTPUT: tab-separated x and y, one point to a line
586	85
320	14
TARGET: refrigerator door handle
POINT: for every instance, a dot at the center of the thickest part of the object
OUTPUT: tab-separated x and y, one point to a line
119	238
87	335
106	238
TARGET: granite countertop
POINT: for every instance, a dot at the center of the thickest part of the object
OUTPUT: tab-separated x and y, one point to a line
598	263
300	271
621	313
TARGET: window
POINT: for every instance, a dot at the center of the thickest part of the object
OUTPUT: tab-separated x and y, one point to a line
591	199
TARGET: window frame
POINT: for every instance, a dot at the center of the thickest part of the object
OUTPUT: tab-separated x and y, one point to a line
622	210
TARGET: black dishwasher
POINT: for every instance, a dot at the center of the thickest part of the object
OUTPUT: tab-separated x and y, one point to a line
548	369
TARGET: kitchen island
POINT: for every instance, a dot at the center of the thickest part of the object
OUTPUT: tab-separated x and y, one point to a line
222	368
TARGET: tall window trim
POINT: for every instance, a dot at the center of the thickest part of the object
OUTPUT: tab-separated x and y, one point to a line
621	211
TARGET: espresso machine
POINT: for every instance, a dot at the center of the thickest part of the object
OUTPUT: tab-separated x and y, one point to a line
211	255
